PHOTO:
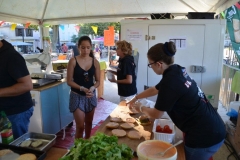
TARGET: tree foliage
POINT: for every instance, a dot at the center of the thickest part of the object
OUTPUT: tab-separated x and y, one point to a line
33	27
86	29
74	38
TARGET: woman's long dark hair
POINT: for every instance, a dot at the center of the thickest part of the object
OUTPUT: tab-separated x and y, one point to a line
162	52
86	38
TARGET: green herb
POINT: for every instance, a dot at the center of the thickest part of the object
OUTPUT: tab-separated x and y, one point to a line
99	147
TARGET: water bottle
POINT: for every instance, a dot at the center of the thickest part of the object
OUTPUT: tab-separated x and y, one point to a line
5	129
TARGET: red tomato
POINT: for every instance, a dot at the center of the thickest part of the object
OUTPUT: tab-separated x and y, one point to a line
167	129
158	128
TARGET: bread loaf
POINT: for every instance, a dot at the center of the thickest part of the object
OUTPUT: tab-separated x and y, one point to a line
5	151
134	135
115	119
27	156
127	125
119	132
112	125
130	120
25	143
36	144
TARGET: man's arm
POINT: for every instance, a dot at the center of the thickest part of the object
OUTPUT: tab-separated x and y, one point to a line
23	85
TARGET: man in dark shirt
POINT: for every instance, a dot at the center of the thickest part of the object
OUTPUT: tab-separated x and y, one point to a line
75	50
15	86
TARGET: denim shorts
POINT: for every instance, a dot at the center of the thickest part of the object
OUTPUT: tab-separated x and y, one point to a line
20	122
201	153
82	102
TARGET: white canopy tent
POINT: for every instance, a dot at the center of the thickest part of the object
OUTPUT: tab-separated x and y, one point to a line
85	11
55	12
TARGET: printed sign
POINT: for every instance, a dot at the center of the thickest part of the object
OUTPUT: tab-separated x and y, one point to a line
134	35
179	42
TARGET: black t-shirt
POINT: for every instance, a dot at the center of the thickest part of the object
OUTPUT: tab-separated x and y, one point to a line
126	67
13	67
184	102
83	78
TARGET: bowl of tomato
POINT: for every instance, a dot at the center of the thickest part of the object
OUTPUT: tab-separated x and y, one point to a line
164	130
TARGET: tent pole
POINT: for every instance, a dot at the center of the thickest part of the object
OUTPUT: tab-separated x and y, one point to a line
44	11
41	35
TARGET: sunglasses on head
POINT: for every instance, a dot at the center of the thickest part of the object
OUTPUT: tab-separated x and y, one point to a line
86	79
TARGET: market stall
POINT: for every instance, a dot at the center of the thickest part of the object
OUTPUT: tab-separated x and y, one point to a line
52	108
146	131
41	14
120	111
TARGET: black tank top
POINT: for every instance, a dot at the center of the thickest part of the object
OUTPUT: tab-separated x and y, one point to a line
82	77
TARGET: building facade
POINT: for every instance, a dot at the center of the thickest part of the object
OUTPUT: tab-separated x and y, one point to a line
20	34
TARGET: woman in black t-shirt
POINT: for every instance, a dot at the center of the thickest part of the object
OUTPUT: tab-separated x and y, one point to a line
184	102
83	74
126	77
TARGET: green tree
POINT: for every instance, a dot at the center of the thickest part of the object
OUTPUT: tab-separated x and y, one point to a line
86	29
74	38
34	27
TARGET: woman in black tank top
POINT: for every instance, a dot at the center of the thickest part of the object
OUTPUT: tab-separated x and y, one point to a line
83	74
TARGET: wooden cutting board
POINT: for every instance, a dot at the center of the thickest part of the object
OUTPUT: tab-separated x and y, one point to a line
122	112
55	153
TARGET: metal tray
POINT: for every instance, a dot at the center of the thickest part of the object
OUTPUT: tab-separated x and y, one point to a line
47	139
22	150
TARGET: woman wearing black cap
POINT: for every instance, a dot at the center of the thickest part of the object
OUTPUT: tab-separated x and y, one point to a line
184	102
